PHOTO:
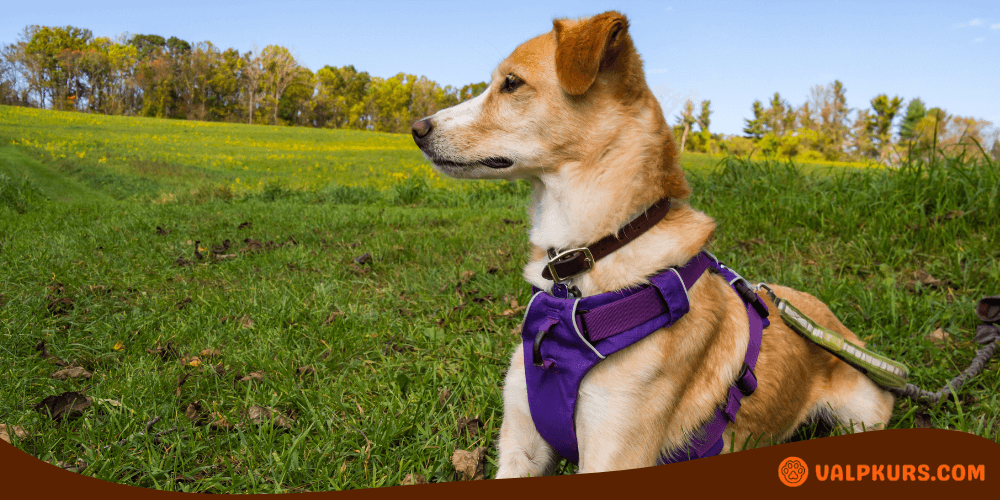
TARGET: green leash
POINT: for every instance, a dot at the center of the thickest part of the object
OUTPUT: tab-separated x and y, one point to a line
882	370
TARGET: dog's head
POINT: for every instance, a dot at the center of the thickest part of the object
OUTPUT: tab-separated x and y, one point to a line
564	98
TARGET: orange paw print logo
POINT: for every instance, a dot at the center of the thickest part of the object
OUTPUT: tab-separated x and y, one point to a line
793	471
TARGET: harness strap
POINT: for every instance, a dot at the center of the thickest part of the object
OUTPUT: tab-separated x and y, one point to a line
638	308
708	440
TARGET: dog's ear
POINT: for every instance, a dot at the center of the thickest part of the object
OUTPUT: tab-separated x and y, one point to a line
585	48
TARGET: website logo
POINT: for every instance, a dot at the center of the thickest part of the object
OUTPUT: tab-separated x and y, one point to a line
793	471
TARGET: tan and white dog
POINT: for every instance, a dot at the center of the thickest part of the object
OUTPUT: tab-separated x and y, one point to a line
570	111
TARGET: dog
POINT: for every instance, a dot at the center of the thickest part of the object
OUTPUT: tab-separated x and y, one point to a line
571	112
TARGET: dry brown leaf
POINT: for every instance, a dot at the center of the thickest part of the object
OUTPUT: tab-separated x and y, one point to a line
191	360
470	464
180	382
413	479
922	421
513	312
246	322
60	306
924	278
77	466
207	353
7	430
164	351
332	317
219	422
261	415
72	372
305	370
939	337
443	395
193	413
64	406
469	426
254	376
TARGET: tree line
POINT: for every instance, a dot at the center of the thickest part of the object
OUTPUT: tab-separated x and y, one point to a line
825	128
68	68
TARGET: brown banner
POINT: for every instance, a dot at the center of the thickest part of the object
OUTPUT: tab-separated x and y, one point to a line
924	461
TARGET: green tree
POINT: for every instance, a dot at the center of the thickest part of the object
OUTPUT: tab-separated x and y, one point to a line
57	50
775	114
295	107
223	99
340	97
915	111
829	103
703	117
878	124
147	45
686	119
280	69
471	90
754	128
806	117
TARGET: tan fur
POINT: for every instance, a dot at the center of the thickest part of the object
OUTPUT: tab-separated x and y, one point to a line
585	129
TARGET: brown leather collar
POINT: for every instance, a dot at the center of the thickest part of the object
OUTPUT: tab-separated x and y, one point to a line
567	264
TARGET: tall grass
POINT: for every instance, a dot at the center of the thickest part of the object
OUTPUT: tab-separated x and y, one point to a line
379	364
18	195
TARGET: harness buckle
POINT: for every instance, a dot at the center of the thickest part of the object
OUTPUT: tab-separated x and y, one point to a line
571	258
744	385
748	296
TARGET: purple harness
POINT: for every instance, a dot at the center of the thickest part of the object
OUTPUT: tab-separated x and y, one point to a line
564	337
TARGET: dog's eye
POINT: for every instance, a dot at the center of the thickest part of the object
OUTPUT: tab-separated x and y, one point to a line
511	83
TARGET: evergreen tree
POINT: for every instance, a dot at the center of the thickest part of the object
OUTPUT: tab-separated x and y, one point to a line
915	112
754	128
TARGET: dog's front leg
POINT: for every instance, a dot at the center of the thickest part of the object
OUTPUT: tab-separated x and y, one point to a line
612	430
523	451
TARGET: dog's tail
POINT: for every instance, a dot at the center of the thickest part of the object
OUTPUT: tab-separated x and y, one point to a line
987	335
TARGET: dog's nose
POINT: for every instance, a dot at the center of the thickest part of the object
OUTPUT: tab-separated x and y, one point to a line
422	128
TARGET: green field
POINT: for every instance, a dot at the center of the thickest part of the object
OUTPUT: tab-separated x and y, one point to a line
384	368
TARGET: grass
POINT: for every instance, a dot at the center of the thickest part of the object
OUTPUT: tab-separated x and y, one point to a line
377	367
706	161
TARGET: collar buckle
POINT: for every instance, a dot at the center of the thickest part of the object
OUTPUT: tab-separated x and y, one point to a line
572	263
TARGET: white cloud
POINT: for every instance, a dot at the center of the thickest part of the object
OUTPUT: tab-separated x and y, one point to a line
971	24
979	40
995	26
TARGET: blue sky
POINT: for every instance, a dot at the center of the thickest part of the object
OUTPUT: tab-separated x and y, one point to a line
946	53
